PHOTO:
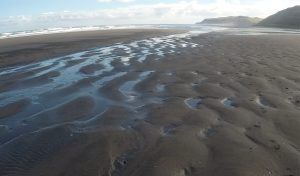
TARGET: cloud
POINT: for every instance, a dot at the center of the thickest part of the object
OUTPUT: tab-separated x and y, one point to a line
122	1
183	12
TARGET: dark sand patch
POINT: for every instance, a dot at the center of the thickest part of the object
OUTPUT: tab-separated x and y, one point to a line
13	108
76	109
90	69
7	85
70	63
42	79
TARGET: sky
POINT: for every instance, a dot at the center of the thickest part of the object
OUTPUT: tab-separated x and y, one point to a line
35	14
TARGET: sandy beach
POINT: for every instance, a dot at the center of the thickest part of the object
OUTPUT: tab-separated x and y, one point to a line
216	104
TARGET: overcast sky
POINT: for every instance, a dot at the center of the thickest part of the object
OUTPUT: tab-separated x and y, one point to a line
32	14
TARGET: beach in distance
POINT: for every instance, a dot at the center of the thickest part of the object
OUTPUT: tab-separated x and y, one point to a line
151	102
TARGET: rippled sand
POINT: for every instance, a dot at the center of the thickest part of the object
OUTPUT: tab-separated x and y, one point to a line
214	104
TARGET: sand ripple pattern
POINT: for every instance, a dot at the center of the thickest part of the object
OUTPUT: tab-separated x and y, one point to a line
68	94
228	106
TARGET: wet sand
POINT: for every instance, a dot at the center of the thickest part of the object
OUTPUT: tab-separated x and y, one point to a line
24	50
217	105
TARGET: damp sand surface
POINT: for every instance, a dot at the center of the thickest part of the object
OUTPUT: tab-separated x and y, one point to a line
29	49
215	104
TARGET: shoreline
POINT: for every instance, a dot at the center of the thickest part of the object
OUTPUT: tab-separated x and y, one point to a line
29	49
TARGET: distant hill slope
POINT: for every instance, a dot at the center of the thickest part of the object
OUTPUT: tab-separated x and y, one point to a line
232	21
288	18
